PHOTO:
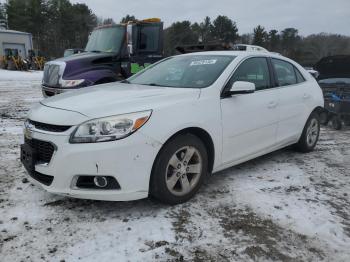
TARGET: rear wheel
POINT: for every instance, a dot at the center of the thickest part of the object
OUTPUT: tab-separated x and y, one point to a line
310	135
336	123
179	169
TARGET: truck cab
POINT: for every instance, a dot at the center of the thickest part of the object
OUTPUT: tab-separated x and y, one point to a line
113	53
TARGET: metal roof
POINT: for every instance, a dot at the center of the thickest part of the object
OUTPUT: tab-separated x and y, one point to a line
13	32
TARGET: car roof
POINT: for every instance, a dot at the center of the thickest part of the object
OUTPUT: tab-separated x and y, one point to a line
243	54
238	54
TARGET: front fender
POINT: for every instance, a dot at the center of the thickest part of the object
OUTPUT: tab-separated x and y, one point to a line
170	120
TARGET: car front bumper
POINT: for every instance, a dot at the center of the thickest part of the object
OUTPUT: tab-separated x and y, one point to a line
52	91
128	160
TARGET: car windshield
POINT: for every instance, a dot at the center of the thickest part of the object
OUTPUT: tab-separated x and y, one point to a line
108	39
189	71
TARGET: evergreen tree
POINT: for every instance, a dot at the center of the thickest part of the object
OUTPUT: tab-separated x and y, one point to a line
3	17
206	30
128	18
224	29
260	37
274	41
290	40
179	33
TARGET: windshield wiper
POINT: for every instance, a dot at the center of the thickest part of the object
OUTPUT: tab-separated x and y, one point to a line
155	84
95	51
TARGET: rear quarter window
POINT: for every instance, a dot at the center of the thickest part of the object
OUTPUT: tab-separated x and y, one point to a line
285	73
300	77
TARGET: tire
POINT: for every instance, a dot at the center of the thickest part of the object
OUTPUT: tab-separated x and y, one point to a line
310	135
347	120
172	181
336	123
324	118
11	65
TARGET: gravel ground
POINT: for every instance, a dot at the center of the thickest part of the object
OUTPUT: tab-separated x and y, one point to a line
285	206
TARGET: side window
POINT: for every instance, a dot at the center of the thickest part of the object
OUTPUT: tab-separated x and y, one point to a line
254	70
300	77
148	38
284	72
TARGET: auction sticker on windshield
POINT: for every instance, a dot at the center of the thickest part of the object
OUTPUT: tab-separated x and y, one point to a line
203	62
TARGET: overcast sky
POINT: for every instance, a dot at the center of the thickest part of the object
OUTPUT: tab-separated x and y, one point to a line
309	16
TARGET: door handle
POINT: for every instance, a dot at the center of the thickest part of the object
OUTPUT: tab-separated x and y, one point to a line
272	104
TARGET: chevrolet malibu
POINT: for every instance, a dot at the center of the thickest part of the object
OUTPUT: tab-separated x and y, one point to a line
164	130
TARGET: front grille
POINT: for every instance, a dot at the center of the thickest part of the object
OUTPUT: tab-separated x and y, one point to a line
48	127
43	150
51	75
44	179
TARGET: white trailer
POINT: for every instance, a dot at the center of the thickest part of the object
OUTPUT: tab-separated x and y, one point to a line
15	40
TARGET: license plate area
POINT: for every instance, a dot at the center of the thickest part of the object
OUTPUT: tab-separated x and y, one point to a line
28	158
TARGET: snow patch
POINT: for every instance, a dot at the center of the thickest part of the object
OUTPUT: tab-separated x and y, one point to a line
7	75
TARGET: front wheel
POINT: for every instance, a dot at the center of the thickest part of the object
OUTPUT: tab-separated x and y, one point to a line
310	135
179	169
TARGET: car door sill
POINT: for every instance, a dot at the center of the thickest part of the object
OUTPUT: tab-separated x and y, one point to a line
252	156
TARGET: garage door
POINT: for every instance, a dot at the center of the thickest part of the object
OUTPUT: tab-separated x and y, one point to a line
20	47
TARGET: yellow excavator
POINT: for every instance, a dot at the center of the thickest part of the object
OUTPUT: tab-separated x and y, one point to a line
36	60
13	61
3	62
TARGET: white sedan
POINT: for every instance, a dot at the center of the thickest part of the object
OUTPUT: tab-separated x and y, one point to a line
164	130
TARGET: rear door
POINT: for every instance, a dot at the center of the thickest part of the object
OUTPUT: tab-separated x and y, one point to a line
294	96
250	120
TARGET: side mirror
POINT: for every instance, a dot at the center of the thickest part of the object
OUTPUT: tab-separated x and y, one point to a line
241	87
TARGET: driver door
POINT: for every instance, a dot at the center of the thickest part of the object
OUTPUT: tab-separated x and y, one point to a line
250	120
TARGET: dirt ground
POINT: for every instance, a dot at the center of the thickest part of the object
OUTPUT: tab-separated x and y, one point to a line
285	206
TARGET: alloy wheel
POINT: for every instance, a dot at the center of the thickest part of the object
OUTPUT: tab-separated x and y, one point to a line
312	132
184	170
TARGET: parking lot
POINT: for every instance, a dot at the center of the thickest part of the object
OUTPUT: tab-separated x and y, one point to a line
285	206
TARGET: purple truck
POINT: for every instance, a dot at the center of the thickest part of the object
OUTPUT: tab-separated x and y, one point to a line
113	53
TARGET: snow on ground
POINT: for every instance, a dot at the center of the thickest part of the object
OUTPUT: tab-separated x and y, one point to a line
7	75
285	206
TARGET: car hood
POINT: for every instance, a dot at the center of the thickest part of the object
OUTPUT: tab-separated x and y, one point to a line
119	98
334	67
87	56
82	62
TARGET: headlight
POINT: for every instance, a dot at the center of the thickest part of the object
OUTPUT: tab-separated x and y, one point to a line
109	128
71	83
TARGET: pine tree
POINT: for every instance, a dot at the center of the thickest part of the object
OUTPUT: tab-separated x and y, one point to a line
224	29
3	16
260	36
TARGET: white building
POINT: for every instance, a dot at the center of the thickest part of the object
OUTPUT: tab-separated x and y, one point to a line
15	40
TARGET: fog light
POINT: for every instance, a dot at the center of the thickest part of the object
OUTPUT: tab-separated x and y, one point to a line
96	182
100	181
